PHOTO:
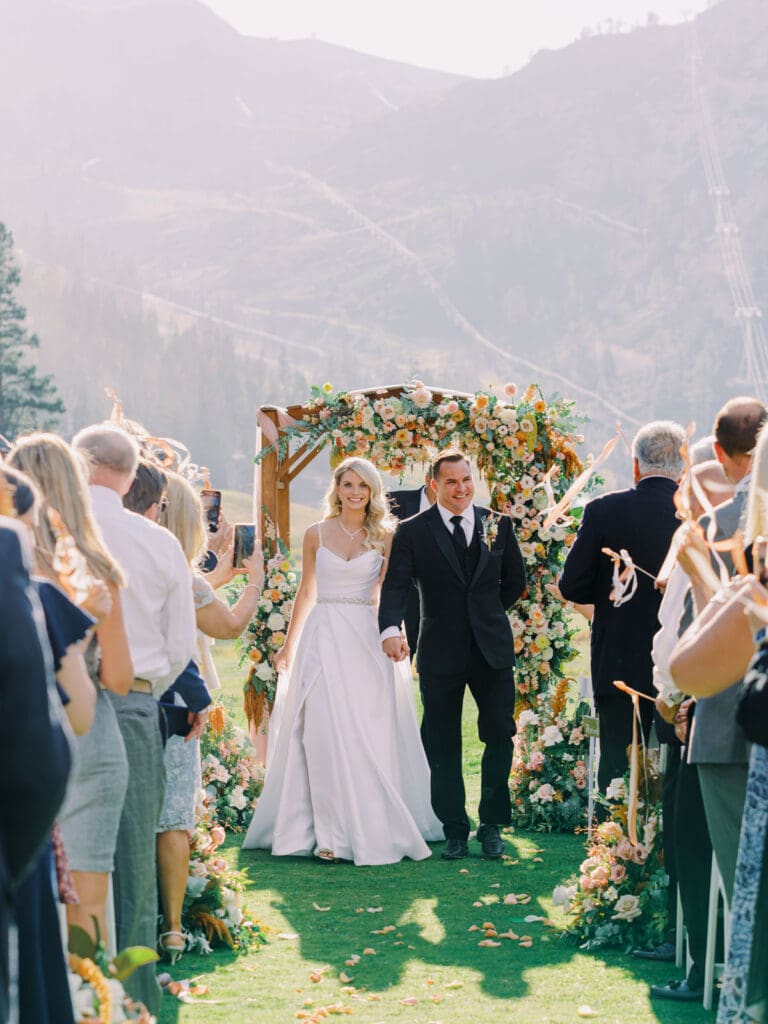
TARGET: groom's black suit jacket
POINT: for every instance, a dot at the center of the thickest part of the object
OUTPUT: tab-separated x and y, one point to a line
454	610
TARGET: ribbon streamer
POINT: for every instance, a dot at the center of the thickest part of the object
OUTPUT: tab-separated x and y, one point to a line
638	743
555	514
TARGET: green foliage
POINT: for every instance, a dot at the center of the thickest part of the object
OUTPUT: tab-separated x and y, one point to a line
27	399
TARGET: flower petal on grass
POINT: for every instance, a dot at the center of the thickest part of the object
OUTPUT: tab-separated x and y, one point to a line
409	1001
322	910
586	1011
454	984
489	942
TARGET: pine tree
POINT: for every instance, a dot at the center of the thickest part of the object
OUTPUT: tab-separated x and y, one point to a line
27	399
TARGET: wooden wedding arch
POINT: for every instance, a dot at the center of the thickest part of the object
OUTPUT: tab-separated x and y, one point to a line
278	467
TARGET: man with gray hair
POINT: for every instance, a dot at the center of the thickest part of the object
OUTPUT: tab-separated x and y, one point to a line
640	520
160	624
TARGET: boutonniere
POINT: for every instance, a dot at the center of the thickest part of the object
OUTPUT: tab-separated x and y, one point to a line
491	528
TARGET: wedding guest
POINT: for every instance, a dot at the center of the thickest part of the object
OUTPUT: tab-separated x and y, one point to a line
182	514
91	814
160	625
718	747
640	520
37	759
687	846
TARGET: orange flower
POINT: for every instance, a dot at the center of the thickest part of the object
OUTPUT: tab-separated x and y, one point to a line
255	655
481	401
540	406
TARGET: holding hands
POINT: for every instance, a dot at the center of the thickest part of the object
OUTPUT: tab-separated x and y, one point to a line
396	648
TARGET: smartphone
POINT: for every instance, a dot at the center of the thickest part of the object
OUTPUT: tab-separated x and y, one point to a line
245	541
212	507
759	558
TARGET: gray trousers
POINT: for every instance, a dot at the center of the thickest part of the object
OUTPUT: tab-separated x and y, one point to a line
723	788
135	878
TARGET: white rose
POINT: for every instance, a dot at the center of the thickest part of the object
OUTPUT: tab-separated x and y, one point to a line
276	622
627	908
265	672
527	717
563	894
616	790
544	794
196	886
237	798
551	736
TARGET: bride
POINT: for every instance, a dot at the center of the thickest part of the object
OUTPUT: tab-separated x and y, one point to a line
348	778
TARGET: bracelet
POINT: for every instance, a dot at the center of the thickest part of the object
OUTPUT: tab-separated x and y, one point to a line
252	586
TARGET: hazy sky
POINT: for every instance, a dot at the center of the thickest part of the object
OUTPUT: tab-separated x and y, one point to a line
482	37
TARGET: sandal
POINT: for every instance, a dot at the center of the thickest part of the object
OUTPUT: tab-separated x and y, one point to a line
171	950
326	856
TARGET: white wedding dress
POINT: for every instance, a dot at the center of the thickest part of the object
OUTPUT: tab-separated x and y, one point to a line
347	772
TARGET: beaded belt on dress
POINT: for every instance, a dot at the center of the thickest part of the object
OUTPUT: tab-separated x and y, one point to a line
347	600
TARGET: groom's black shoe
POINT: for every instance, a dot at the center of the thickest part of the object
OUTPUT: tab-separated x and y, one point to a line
491	842
455	849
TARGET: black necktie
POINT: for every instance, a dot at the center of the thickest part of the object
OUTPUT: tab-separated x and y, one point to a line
459	537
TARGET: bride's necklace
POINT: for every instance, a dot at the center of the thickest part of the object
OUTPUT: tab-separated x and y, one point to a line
350	533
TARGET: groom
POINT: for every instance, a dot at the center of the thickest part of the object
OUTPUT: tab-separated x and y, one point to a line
469	571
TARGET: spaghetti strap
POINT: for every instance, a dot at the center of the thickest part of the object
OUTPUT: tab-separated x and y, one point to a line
320	534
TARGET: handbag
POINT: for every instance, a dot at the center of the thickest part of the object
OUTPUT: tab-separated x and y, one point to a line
752	712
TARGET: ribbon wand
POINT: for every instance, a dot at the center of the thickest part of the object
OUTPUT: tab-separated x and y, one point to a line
634	757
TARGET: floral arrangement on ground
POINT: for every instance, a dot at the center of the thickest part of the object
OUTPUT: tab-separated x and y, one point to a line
232	777
96	982
212	913
265	634
549	779
524	446
620	895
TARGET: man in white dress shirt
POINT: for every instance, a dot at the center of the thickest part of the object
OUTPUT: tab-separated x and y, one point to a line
160	623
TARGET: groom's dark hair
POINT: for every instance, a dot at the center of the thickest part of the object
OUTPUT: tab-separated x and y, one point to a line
451	455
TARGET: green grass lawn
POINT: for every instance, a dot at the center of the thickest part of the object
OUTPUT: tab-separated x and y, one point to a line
431	956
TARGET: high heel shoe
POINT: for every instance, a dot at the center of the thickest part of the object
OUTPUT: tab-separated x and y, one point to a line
172	951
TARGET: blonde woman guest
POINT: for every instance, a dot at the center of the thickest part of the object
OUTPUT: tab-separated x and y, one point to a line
348	778
91	813
182	514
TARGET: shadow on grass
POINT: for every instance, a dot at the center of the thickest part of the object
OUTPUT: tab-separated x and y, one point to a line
427	913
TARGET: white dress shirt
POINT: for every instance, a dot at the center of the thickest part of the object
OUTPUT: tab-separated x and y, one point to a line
467	520
424	503
157	603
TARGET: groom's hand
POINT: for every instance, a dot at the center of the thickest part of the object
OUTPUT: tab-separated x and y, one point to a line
393	648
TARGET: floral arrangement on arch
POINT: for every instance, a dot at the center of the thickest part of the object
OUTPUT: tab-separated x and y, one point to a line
212	914
265	634
232	776
619	897
524	446
549	783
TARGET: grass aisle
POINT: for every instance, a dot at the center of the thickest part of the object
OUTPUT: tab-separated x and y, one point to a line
427	966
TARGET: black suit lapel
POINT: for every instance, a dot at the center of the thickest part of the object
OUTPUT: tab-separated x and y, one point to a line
444	542
484	556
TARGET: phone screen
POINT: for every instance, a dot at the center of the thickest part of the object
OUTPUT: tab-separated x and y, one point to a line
245	540
212	507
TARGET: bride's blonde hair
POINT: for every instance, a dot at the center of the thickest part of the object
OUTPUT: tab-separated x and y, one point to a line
379	522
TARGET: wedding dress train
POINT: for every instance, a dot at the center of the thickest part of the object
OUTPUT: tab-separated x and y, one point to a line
347	772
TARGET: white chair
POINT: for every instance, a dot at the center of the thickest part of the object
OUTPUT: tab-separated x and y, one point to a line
716	894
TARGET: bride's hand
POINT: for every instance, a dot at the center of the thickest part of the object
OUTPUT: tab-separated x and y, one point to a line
282	660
